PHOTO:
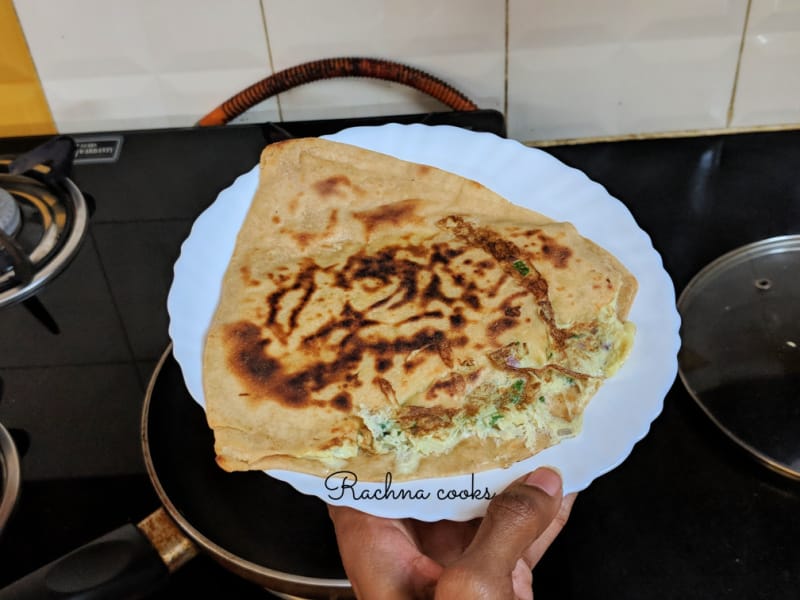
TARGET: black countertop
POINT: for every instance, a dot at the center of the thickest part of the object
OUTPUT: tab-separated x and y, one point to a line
688	514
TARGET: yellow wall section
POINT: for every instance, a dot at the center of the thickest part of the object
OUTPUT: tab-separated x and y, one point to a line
23	107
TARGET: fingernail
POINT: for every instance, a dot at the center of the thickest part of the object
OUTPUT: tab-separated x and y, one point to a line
546	480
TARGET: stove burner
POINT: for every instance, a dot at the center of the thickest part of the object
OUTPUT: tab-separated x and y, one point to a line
43	218
10	215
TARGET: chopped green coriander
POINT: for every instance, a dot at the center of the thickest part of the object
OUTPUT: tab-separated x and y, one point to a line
541	398
516	391
495	418
384	427
521	267
570	380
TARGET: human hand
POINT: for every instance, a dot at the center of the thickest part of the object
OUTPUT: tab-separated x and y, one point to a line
484	558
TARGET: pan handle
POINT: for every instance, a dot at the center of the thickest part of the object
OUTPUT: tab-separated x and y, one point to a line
128	562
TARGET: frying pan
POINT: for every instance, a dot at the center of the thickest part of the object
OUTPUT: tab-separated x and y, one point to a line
9	476
255	526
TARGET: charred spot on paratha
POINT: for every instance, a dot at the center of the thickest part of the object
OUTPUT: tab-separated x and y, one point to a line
396	214
332	186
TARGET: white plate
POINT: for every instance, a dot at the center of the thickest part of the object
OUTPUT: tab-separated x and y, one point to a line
617	417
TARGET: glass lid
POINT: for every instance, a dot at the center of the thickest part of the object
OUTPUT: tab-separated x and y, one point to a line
740	356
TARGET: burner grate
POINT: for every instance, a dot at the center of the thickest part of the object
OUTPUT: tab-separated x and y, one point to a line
44	218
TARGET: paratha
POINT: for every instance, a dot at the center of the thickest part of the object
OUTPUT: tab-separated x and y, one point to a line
383	316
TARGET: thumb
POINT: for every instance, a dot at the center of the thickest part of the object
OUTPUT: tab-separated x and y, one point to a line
514	520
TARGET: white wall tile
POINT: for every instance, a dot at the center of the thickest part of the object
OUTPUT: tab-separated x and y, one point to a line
768	92
576	68
460	42
613	67
114	64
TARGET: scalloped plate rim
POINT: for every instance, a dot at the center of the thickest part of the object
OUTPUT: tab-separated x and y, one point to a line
657	322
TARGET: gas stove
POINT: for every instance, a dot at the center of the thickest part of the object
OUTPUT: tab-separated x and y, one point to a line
688	513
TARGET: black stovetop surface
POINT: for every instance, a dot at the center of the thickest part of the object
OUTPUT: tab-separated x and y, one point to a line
688	514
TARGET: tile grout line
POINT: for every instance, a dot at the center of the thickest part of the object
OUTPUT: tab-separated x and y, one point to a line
729	116
141	220
117	310
663	135
269	56
77	365
505	67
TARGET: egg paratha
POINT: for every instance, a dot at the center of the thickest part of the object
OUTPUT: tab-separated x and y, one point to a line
384	316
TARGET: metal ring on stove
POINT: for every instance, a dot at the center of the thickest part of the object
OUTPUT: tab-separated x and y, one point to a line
9	468
64	255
